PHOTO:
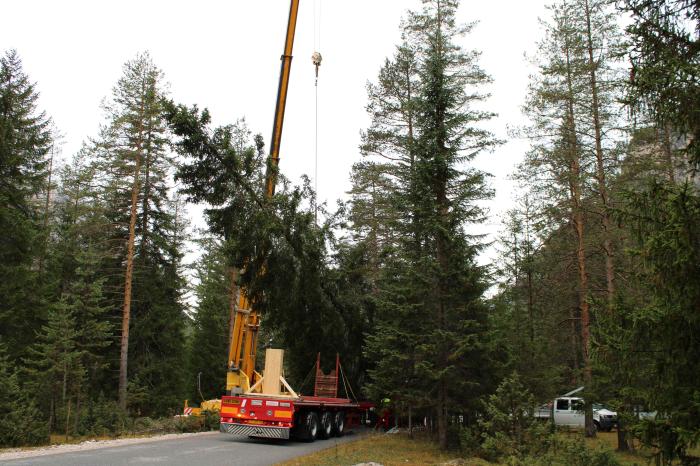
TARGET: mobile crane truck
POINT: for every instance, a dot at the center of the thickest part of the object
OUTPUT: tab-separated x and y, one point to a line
264	405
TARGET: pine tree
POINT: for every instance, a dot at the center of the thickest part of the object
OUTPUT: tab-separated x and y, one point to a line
142	271
556	167
603	49
25	141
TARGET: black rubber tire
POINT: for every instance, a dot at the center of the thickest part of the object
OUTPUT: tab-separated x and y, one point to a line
326	425
596	424
339	424
311	427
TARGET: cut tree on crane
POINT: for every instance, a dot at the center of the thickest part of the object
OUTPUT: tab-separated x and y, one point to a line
265	405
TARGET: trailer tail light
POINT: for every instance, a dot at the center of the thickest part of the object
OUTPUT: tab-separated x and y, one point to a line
228	410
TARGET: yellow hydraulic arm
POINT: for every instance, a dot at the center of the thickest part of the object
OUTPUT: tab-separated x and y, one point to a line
246	322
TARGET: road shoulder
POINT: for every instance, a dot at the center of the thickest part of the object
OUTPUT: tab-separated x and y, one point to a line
17	453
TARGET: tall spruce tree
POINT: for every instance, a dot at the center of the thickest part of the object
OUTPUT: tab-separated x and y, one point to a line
432	322
25	141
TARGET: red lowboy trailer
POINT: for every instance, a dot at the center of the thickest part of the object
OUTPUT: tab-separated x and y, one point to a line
306	417
286	414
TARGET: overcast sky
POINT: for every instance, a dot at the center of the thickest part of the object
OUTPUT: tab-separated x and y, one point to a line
225	56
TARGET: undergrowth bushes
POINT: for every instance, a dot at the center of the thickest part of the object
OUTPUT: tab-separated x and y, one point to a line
103	418
509	433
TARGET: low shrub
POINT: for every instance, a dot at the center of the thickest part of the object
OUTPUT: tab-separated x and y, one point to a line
104	418
572	452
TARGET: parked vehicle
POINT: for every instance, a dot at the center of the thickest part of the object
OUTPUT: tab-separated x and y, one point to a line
569	411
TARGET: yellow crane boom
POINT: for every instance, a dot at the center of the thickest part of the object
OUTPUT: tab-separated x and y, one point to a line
244	332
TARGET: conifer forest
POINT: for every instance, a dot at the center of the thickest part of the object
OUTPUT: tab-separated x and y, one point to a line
590	279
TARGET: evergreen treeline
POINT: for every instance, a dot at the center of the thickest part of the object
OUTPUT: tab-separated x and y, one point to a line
599	256
63	261
596	282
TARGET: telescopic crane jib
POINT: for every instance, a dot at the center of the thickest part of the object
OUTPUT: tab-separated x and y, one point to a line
246	322
265	405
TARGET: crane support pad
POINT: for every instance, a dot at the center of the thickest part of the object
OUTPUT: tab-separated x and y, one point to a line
246	430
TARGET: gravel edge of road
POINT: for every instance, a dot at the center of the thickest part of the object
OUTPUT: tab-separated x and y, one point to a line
17	453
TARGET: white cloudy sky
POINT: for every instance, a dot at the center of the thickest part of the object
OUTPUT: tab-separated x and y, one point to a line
225	56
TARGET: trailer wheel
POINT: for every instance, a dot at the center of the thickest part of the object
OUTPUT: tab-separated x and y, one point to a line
310	427
326	429
339	423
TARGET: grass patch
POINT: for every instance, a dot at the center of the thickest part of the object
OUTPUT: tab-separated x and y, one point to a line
640	456
394	450
389	450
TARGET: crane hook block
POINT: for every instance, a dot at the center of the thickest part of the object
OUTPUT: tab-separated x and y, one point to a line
316	60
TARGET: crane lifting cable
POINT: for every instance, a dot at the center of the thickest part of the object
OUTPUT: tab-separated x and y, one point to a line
316	60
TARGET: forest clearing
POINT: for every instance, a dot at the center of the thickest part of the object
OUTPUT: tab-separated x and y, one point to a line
174	256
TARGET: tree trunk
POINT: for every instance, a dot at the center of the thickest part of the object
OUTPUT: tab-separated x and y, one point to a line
68	420
146	197
76	416
47	205
442	415
575	346
64	387
668	153
126	313
144	207
600	168
578	223
622	444
52	412
530	309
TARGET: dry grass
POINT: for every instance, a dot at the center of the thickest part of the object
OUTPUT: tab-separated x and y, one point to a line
608	441
640	456
394	450
389	450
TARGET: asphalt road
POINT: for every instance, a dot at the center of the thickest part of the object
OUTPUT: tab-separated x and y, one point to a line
216	449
